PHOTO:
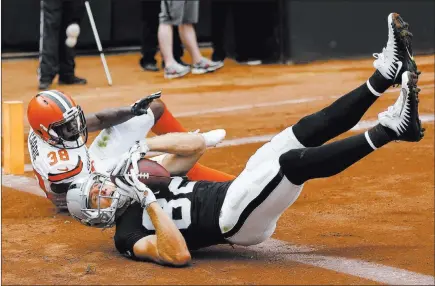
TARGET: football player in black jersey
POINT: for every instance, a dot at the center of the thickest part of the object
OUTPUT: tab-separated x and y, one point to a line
164	223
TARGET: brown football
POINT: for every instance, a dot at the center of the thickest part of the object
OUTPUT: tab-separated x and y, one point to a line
157	176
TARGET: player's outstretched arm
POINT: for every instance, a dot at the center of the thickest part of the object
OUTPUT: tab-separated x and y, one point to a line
114	116
167	246
108	118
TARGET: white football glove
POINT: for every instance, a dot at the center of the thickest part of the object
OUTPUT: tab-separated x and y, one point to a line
136	152
138	191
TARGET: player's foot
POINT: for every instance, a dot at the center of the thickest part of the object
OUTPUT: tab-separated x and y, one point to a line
397	56
212	138
402	117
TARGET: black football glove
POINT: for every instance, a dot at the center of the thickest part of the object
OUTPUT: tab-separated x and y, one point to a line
140	107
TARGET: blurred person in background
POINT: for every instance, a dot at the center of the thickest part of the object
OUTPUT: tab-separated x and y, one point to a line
56	49
182	14
150	26
220	10
256	41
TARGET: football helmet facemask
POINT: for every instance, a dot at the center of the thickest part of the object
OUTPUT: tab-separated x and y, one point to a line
86	191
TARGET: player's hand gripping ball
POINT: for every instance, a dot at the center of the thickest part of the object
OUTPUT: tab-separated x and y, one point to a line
151	173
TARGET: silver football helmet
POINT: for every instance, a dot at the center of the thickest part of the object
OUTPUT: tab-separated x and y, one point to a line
78	200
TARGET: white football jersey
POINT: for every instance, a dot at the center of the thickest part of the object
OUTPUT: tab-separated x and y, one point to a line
53	167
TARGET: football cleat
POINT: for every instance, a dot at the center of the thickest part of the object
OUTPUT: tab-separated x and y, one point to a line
397	56
402	117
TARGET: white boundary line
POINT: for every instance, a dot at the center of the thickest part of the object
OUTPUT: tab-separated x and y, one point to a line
22	183
355	267
247	106
275	103
362	125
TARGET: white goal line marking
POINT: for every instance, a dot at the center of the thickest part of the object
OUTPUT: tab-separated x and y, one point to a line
355	267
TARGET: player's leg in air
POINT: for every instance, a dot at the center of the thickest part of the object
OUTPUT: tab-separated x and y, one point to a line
167	123
273	177
400	122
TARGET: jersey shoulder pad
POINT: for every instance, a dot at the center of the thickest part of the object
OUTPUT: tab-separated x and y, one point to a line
65	171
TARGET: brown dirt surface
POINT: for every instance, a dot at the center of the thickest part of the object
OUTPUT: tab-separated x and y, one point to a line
380	210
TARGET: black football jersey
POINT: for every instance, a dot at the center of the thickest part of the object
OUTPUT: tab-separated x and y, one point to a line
194	206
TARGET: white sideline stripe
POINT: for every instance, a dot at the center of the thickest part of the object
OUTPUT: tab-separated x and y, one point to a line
247	106
266	138
271	104
355	267
21	183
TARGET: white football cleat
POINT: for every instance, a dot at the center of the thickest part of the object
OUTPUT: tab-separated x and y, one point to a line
214	137
397	56
402	117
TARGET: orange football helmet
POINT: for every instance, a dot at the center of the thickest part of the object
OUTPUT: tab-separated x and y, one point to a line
55	117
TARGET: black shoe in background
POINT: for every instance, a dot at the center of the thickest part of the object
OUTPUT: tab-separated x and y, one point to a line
180	61
72	80
217	57
148	66
44	85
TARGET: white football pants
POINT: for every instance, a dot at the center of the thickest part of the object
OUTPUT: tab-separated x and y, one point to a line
260	194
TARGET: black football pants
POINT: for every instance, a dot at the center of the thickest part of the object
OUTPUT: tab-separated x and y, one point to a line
55	56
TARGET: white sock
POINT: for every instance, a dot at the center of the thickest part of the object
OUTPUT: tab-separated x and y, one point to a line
212	138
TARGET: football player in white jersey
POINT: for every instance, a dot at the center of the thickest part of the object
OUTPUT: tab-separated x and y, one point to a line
59	132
